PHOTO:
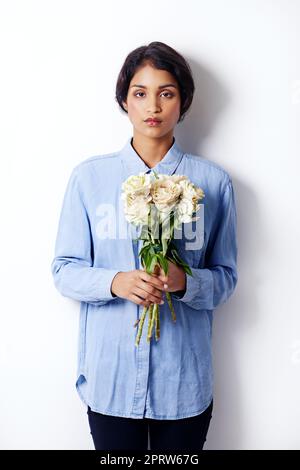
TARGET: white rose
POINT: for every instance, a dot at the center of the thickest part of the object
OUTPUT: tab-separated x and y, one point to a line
178	178
199	192
137	184
191	192
137	210
165	194
184	211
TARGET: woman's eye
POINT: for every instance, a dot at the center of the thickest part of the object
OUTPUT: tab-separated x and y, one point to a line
165	92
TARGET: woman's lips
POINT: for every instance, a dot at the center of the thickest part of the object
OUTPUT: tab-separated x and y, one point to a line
153	123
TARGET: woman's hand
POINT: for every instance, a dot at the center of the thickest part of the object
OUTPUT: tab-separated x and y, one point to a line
138	286
176	279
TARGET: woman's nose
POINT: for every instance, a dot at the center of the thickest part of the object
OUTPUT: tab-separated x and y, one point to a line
153	105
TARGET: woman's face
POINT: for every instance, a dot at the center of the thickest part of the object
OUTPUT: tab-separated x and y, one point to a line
153	93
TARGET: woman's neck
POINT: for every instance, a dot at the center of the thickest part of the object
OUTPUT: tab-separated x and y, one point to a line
151	150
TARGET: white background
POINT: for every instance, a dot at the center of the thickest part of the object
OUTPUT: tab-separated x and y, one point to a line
59	65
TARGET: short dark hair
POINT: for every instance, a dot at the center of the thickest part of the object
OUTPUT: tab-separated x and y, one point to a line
163	57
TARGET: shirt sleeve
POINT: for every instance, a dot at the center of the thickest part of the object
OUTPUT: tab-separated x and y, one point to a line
212	285
72	267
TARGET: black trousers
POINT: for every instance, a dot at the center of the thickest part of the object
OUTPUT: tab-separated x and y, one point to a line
114	432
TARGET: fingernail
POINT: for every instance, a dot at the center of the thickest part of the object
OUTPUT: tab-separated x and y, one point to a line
165	286
161	302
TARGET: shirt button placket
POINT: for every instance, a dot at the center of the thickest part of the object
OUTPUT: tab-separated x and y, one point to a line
142	375
143	357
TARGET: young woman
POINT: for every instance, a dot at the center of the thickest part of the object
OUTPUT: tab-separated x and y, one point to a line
164	387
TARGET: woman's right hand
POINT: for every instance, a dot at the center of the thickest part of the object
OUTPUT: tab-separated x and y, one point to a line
139	287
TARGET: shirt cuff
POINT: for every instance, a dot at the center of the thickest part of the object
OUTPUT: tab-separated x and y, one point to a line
105	292
198	288
178	294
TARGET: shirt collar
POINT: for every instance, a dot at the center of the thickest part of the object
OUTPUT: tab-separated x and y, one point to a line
167	165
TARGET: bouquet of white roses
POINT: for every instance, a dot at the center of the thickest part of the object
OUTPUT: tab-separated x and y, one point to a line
158	204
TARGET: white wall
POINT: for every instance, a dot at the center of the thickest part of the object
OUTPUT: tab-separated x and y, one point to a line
59	64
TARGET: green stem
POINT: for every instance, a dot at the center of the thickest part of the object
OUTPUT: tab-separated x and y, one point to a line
151	321
157	324
141	323
169	299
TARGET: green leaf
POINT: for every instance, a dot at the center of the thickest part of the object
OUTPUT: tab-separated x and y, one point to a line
181	262
164	246
144	249
148	263
145	259
176	255
151	250
163	263
187	269
152	264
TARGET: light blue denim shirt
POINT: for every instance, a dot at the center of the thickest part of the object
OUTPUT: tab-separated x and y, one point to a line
173	377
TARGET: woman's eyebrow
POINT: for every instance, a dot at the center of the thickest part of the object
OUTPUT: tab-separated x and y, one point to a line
160	86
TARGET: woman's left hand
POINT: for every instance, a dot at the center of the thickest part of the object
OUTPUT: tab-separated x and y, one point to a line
176	278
